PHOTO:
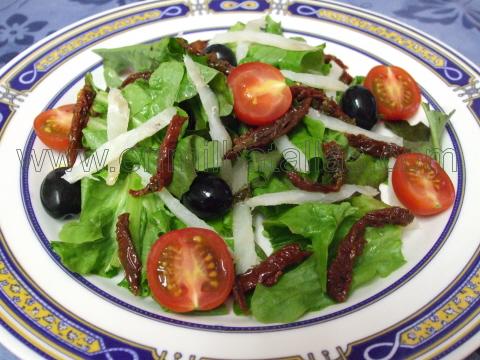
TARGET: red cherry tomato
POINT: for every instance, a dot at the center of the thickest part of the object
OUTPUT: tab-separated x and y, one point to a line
421	184
53	126
396	93
190	269
260	93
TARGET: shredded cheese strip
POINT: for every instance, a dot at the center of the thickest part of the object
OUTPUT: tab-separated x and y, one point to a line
240	175
316	81
300	196
117	123
336	70
243	238
114	148
210	104
261	239
286	148
175	206
339	125
242	47
181	212
261	38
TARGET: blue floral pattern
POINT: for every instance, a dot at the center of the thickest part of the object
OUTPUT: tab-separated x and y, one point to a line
446	12
18	30
103	2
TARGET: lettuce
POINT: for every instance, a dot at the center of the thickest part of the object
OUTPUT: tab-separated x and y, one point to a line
296	293
311	61
421	138
300	61
367	170
313	221
320	227
88	245
134	58
262	166
272	26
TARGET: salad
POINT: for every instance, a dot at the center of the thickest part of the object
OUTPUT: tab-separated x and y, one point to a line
245	167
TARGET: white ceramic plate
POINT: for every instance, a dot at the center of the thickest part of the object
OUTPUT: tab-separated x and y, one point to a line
428	308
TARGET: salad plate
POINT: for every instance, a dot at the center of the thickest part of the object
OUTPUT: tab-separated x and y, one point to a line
53	302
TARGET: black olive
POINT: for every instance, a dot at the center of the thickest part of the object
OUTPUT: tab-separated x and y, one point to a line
208	197
223	52
358	103
60	198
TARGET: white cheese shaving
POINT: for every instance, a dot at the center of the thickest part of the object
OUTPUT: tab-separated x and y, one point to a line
301	196
175	206
115	148
260	238
336	70
243	238
240	175
328	82
242	47
117	123
261	38
339	125
210	104
181	212
292	154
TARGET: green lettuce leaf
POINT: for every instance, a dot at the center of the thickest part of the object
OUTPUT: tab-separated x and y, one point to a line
262	166
208	154
272	26
311	61
367	170
308	137
187	88
300	290
296	293
316	222
95	133
88	245
183	167
134	58
421	138
276	183
437	121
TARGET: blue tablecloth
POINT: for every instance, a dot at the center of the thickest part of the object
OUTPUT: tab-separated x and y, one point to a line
24	22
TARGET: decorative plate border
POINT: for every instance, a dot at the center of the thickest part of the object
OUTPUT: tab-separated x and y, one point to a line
24	185
11	96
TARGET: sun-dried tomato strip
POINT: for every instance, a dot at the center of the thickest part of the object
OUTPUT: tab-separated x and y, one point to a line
335	165
375	148
321	102
145	75
164	174
79	120
198	48
267	272
340	272
264	135
345	77
127	254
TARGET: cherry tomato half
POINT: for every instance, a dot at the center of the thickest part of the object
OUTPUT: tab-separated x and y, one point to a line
421	184
53	126
396	93
260	93
190	269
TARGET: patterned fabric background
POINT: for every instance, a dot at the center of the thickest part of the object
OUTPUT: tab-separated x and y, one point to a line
24	22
